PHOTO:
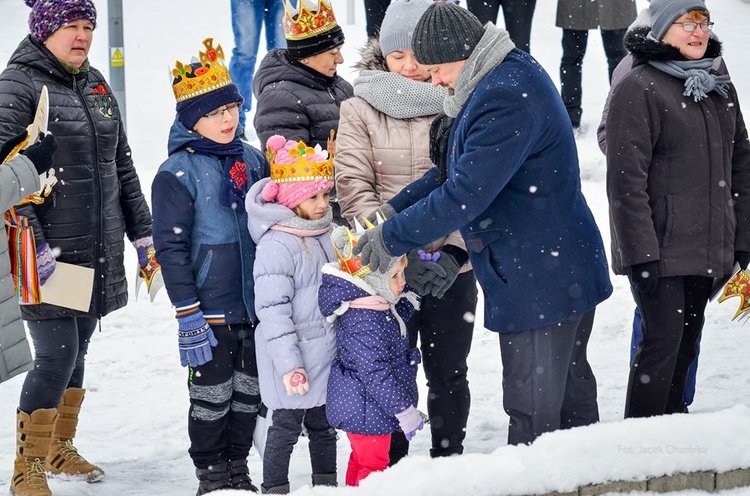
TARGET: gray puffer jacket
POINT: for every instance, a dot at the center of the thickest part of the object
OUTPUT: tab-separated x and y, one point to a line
291	333
18	178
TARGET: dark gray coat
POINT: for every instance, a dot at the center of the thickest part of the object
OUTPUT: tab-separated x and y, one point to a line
678	171
18	178
98	198
583	15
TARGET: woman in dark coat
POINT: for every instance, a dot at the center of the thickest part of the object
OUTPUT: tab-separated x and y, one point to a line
678	180
97	201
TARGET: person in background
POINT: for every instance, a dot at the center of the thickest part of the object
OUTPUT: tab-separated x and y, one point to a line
513	189
374	15
19	177
248	18
96	202
577	17
297	89
289	218
383	146
206	255
674	231
517	15
372	388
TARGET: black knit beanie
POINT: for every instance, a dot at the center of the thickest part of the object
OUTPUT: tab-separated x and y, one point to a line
445	33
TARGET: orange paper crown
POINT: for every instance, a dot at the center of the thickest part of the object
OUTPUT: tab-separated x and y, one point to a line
308	19
349	263
302	169
201	76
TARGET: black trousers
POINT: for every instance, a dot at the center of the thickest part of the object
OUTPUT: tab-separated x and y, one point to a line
224	398
516	13
283	435
60	347
374	14
571	75
547	381
445	335
672	321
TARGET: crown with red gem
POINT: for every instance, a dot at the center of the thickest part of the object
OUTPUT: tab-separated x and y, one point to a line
349	263
201	76
307	19
292	161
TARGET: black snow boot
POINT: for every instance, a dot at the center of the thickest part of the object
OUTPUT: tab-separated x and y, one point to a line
239	476
213	478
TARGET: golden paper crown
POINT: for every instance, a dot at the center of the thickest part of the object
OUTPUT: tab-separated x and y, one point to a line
307	19
302	169
201	76
350	264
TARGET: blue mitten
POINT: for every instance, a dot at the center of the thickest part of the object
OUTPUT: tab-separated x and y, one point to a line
374	253
45	263
195	337
410	421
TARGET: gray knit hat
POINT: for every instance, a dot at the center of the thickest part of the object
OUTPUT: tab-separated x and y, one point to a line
399	22
665	12
446	33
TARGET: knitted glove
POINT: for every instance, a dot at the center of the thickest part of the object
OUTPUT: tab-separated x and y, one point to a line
440	133
742	258
420	271
41	153
386	211
410	421
645	277
374	253
145	249
45	263
296	382
9	145
195	337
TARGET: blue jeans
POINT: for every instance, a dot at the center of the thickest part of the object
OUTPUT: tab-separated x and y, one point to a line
248	18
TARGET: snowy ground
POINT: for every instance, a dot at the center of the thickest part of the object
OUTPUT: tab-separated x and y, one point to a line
134	419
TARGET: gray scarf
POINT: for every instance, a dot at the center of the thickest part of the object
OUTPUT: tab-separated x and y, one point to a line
398	96
698	81
489	52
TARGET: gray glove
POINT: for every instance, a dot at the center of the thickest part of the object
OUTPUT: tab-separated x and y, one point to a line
374	253
436	277
420	272
386	212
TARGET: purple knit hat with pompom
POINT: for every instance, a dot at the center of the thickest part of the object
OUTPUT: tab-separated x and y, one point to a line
47	16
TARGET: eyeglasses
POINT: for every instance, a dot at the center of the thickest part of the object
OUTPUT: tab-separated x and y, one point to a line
690	26
232	108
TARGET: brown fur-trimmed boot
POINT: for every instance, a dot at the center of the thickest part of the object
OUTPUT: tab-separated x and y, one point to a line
33	438
63	457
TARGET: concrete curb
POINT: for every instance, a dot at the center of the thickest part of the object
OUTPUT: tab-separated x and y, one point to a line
701	481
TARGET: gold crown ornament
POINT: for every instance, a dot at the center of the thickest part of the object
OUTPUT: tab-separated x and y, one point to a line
307	19
303	168
202	75
351	264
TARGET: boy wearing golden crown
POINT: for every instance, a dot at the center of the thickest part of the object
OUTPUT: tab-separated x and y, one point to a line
206	255
290	220
372	387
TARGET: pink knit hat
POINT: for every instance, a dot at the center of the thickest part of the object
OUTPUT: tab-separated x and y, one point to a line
298	172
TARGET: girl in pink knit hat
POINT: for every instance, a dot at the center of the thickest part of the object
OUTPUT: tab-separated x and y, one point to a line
289	218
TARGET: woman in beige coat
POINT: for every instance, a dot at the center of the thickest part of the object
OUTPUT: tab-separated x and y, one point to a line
382	146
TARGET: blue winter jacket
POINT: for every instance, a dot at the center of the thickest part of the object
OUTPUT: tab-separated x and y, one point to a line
204	248
514	191
374	376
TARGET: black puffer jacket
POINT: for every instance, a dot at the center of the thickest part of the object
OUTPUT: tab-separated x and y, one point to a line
98	197
295	102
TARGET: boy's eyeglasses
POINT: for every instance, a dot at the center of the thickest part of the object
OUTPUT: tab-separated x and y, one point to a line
232	108
691	26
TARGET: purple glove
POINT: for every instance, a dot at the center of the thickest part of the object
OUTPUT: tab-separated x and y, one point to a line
45	263
145	248
410	421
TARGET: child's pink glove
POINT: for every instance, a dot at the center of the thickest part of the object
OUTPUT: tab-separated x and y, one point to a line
410	421
296	382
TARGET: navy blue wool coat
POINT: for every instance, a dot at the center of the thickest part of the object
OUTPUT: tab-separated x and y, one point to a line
514	191
374	376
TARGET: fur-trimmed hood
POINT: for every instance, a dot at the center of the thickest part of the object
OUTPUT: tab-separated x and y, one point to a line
645	48
372	57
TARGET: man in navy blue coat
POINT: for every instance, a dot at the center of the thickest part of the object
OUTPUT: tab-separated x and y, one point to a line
512	187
